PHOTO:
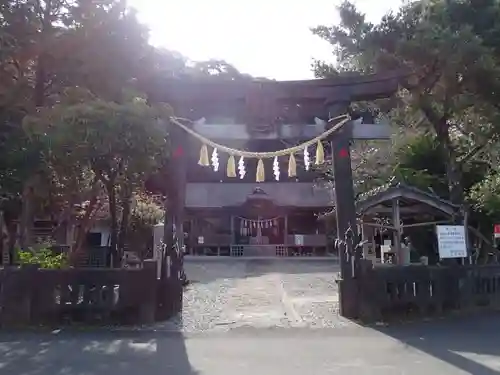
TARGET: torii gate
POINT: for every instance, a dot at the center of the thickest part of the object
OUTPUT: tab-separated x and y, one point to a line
281	108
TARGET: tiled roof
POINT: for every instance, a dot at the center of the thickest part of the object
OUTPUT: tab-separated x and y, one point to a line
402	189
288	194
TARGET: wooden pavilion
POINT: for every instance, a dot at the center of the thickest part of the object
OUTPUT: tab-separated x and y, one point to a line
395	210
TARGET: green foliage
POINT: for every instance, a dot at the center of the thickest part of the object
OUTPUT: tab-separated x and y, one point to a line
447	107
121	145
44	257
71	127
486	194
146	212
115	141
445	63
420	163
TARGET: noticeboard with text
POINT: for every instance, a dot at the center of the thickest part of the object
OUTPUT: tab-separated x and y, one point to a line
451	241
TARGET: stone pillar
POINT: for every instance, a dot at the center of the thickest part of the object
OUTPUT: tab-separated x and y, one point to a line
19	292
147	310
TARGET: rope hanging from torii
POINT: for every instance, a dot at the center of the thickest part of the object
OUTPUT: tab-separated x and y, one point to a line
260	175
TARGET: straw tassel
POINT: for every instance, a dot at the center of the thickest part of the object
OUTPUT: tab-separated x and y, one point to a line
320	154
292	166
261	174
204	156
231	166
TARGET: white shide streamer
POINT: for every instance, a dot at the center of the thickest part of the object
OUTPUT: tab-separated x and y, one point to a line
241	168
276	168
307	160
215	160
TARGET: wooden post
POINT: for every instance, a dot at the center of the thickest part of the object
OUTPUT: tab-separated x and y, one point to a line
367	233
285	230
233	234
396	222
467	239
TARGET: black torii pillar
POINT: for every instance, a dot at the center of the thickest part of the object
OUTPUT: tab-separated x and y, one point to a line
171	283
347	233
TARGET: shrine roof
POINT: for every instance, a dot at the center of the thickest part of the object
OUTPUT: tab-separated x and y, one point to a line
340	80
408	196
360	86
284	194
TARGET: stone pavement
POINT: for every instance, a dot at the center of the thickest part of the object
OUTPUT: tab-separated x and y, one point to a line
261	317
264	293
441	348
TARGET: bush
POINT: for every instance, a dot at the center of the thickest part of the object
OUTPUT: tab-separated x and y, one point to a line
45	257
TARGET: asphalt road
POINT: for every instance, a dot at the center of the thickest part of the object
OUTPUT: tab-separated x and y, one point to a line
265	318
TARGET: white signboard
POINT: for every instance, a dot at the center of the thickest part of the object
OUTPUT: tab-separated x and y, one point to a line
451	241
299	240
201	240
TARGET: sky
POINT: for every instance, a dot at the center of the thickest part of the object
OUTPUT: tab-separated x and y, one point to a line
264	38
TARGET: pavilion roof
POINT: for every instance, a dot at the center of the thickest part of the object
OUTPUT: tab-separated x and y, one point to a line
408	196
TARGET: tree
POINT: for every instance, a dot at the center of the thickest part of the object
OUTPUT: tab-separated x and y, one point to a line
49	46
46	48
446	111
121	145
219	69
440	58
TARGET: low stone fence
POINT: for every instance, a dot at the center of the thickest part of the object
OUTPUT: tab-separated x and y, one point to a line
32	296
394	292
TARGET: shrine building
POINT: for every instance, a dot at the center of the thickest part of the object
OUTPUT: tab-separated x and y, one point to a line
276	216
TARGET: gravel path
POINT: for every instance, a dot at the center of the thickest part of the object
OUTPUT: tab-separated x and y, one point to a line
267	293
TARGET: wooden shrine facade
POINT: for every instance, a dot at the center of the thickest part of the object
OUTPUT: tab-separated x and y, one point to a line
271	220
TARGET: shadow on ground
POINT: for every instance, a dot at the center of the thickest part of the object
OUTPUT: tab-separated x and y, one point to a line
468	343
96	353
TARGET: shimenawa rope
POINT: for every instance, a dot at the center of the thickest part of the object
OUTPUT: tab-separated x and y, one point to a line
260	174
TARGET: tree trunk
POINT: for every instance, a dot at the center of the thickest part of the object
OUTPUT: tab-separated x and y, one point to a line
95	204
12	229
83	229
38	99
4	242
27	215
122	236
41	64
110	186
453	170
39	94
65	215
442	129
